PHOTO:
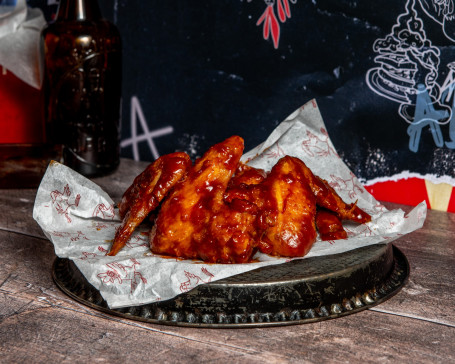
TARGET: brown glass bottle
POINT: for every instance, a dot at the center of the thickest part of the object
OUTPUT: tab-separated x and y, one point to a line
82	86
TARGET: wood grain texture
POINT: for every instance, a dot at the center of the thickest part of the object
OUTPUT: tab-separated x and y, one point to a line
38	323
429	294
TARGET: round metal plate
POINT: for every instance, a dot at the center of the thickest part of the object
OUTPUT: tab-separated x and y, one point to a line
298	292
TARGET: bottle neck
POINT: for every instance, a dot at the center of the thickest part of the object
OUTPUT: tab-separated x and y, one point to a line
78	10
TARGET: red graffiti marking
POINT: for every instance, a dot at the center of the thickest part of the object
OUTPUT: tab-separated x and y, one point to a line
270	22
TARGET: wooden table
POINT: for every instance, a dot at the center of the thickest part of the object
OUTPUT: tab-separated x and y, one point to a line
39	323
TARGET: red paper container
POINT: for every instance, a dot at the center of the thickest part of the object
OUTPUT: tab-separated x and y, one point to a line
21	111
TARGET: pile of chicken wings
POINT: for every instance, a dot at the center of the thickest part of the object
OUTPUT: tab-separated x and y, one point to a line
223	211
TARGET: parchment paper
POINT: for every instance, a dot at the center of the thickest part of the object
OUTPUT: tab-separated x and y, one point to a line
20	51
80	220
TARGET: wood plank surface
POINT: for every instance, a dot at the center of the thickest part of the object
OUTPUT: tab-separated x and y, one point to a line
430	291
39	323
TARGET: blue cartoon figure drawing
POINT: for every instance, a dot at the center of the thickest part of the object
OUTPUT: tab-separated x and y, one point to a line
407	71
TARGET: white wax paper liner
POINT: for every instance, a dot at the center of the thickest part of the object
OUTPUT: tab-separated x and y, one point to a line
79	218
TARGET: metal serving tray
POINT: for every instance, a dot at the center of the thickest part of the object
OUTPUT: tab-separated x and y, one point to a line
298	292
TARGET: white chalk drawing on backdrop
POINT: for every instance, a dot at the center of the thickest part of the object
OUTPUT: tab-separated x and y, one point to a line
147	135
407	73
441	11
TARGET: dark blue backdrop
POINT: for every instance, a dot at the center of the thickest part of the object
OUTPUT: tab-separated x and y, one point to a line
200	71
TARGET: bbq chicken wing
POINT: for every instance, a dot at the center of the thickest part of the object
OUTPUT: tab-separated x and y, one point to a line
247	175
195	222
231	236
246	187
329	225
289	211
146	193
327	197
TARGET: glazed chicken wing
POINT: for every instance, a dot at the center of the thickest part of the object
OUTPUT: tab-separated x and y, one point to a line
327	197
146	193
194	221
247	175
231	236
289	211
329	225
246	187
